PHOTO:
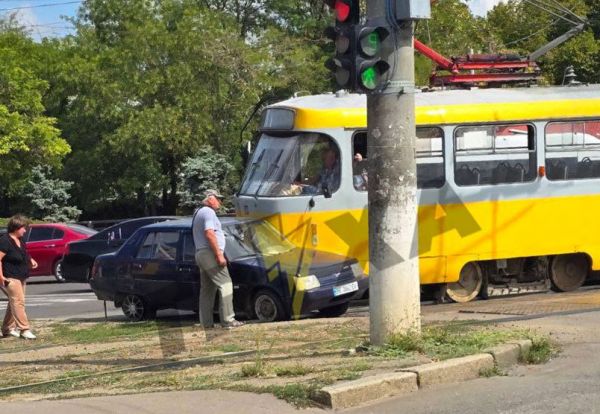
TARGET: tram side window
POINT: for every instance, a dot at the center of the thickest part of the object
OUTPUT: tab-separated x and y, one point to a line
494	154
430	157
573	150
360	178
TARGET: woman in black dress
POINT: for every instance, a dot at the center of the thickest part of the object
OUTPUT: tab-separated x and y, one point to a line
14	271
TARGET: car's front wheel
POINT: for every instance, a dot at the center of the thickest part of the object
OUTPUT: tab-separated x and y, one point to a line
136	309
57	271
267	306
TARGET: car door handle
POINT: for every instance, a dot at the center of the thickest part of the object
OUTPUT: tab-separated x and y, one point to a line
50	245
137	266
183	268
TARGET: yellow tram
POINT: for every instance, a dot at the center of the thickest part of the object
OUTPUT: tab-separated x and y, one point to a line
509	184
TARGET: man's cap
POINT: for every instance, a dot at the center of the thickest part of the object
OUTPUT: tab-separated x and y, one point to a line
212	192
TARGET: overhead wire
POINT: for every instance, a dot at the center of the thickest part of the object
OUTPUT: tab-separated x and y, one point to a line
532	34
536	4
565	9
40	5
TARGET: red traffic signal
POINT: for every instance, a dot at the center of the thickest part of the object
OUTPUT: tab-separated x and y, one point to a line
345	10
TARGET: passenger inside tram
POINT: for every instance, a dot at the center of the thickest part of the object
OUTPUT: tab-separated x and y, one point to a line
360	178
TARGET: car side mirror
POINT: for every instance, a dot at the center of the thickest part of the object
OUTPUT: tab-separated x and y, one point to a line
326	191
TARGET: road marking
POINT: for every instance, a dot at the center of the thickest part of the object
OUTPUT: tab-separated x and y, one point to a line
50	299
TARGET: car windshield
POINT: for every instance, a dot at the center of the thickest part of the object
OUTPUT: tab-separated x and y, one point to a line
293	165
254	238
82	229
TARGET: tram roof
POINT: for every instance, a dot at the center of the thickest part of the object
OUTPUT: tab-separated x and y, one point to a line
454	106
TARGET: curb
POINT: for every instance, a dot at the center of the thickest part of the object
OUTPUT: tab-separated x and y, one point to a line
352	393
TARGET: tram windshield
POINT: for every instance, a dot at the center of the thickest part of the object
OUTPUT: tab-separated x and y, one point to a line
302	164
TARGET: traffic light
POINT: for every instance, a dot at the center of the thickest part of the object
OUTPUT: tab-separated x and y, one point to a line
371	67
359	64
347	17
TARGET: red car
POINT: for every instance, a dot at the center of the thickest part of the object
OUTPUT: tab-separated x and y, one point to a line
46	243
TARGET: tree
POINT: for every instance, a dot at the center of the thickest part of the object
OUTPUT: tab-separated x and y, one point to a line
524	27
451	31
27	136
49	197
207	170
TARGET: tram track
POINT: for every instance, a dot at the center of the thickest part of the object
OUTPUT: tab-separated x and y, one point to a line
202	360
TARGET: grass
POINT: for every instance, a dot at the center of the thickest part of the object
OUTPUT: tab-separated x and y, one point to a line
296	370
255	369
259	367
101	332
441	343
230	348
74	373
492	372
299	394
542	349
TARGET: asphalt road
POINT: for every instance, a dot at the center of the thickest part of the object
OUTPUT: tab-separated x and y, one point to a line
45	298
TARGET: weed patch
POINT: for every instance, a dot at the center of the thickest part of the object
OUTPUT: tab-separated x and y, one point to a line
296	370
542	349
444	343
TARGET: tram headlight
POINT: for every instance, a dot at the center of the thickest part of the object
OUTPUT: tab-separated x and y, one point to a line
307	282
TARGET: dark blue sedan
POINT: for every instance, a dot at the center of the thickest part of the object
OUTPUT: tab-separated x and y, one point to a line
273	279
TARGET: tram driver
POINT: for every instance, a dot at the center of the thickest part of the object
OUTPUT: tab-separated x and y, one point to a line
328	178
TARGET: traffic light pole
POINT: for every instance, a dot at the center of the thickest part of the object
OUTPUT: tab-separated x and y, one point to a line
394	287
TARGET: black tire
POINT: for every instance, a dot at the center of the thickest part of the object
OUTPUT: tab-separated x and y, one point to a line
136	309
57	272
267	307
334	311
568	272
88	274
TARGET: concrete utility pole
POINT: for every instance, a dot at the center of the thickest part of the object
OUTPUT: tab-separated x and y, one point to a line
394	281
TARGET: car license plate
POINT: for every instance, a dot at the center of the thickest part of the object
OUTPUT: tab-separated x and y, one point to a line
342	290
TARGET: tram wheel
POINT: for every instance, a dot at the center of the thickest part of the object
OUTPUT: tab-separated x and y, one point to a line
468	285
568	272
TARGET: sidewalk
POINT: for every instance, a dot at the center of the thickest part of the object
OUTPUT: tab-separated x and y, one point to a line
183	402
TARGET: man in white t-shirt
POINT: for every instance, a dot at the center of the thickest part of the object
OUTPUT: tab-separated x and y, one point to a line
214	276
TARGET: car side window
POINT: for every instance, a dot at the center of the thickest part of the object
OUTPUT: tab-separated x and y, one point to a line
145	251
58	234
189	250
40	234
159	245
127	229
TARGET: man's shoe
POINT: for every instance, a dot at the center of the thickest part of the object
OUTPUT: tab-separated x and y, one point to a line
233	324
13	332
28	335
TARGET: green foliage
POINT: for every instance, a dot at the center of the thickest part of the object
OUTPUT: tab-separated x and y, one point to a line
445	342
542	349
27	136
522	27
207	170
49	197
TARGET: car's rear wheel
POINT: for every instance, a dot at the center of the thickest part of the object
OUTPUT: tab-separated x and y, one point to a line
267	306
58	272
88	274
334	311
136	308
